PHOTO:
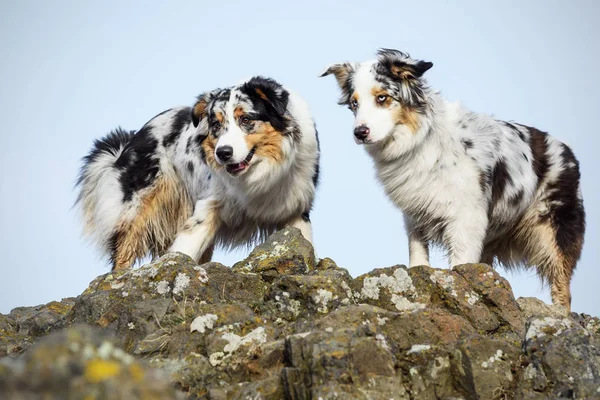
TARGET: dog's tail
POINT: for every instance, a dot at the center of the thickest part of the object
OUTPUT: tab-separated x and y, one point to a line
100	198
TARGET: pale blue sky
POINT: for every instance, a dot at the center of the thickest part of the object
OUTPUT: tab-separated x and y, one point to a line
73	70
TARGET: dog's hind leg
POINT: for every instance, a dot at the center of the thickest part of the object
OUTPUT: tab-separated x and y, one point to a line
198	234
556	223
542	251
554	245
160	213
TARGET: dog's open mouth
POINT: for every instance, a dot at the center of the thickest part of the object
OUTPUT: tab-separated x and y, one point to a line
235	169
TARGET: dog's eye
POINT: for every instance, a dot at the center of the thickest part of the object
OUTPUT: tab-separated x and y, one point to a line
382	98
215	126
354	103
245	120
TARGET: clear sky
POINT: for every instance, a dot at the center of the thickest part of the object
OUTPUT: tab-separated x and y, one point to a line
73	70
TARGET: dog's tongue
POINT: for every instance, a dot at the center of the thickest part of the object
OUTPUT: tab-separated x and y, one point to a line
236	167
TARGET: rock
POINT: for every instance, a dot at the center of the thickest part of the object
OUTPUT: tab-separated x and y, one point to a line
284	252
81	362
561	360
532	307
280	325
20	328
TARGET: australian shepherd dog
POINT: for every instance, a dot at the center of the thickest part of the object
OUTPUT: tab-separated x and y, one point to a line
482	188
238	165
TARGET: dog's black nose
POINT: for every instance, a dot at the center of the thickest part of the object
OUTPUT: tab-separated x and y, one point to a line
361	132
224	153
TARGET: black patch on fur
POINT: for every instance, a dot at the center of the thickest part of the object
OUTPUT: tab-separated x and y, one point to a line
139	161
112	246
110	144
306	216
514	130
514	200
188	146
223	95
198	140
500	178
269	101
467	144
315	177
181	119
485	179
190	167
389	63
539	147
566	209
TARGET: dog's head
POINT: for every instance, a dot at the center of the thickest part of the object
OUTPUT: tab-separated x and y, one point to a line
386	95
245	125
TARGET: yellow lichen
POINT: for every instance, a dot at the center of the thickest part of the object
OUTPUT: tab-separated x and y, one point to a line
58	308
100	370
137	373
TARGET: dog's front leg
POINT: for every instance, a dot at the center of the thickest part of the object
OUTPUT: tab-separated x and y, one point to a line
464	236
418	248
302	222
198	233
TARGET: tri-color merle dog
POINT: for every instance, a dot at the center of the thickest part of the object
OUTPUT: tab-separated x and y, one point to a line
484	189
238	165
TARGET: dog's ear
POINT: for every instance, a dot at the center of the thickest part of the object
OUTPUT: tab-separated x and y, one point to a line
272	96
200	109
343	74
399	65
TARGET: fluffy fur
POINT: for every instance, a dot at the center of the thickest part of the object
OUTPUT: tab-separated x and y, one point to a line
239	164
484	189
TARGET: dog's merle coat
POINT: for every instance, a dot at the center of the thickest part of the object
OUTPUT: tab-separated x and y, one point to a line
165	187
484	189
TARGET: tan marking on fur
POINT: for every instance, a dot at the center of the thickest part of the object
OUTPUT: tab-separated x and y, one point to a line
544	252
162	212
266	141
238	112
533	242
219	116
406	116
380	92
402	72
199	109
261	94
341	73
208	145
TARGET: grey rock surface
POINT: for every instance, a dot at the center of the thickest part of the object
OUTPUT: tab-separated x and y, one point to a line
282	325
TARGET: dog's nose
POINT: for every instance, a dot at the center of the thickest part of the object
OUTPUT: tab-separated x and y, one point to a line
361	132
224	153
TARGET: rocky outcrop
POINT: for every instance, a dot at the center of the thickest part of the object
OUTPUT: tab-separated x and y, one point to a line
280	325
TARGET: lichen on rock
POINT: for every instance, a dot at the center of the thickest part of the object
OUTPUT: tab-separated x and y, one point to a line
280	325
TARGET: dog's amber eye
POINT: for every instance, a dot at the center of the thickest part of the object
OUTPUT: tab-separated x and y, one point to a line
354	103
244	120
382	98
